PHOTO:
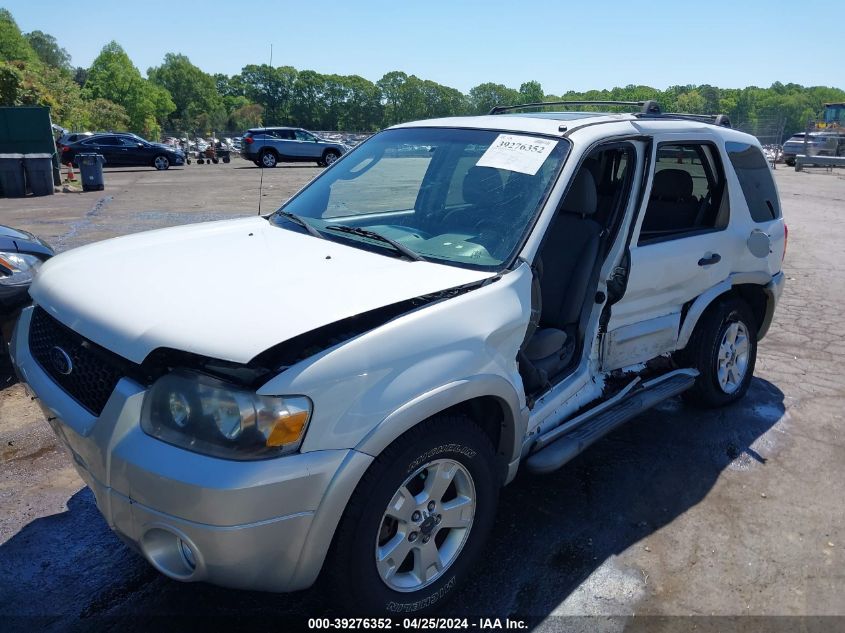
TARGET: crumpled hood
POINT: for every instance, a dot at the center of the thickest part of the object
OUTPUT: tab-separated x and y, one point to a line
227	290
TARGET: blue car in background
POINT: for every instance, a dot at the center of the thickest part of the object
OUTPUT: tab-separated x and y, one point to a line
269	146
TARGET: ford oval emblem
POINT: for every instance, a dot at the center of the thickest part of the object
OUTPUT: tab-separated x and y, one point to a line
61	361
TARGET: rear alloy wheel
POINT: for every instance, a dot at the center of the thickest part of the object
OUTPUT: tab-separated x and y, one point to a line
269	160
161	163
330	157
418	520
723	348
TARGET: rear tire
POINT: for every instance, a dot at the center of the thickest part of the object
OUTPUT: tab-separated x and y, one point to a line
404	544
723	348
268	159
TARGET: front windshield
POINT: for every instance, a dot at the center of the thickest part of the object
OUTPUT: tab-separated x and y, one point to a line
457	196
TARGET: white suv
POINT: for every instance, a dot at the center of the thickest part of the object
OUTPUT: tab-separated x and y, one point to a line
344	385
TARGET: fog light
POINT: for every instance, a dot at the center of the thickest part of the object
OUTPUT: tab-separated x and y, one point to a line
188	554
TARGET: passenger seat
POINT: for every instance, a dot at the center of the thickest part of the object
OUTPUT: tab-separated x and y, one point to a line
565	268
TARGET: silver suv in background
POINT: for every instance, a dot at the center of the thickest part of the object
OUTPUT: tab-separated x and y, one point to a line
268	146
817	145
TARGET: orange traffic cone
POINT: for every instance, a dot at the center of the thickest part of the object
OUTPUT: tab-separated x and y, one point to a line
70	175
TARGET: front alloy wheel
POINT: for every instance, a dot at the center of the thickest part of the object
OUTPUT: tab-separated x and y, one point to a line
425	525
417	522
161	163
330	158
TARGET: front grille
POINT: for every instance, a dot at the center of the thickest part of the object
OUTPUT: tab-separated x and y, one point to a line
92	373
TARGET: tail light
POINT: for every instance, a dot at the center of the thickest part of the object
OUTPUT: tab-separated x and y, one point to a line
65	148
785	239
248	140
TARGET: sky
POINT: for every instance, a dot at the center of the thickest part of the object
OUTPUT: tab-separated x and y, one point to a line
563	45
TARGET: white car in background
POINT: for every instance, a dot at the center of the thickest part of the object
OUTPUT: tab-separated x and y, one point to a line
410	329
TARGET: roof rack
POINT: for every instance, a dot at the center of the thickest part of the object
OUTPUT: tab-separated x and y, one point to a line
646	107
716	119
647	110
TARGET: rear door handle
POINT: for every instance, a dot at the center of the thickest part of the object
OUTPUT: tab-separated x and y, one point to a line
715	258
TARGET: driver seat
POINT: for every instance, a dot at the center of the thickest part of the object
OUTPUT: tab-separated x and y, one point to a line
564	269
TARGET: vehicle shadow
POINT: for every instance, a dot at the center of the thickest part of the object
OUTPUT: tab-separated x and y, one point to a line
550	535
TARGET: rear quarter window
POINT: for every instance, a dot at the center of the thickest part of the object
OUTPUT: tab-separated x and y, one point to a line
755	178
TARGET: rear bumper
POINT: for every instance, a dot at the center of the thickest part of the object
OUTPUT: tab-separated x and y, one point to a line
773	290
263	525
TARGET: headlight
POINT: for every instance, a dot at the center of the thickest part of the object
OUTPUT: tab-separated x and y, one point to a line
18	268
209	416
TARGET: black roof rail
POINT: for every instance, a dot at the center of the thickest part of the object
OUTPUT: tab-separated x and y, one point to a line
721	120
646	107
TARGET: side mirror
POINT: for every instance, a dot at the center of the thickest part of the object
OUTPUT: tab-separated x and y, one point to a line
140	145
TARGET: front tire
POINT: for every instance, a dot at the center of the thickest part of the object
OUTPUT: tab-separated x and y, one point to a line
161	162
723	348
330	157
417	521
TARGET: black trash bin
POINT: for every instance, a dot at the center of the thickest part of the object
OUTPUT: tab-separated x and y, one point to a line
39	173
12	181
91	171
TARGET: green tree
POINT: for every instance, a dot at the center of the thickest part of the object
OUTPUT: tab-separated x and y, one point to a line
28	84
391	86
193	91
13	45
307	105
80	75
102	114
112	76
48	50
269	87
692	101
531	92
245	117
485	96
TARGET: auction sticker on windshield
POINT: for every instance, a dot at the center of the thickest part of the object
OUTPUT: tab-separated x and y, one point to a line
513	152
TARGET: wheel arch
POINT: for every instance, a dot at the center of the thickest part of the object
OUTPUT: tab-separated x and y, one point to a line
753	288
489	400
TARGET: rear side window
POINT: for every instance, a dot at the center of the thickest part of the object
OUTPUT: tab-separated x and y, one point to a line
686	193
756	181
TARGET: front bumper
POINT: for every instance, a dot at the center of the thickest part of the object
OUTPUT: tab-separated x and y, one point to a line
262	525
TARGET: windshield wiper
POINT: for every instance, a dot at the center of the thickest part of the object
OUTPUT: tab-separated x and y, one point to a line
356	230
298	220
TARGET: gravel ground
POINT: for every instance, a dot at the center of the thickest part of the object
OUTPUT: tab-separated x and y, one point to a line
736	512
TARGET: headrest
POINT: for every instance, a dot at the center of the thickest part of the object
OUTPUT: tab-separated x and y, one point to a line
483	187
582	197
672	184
